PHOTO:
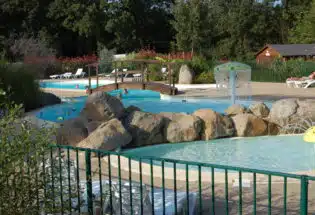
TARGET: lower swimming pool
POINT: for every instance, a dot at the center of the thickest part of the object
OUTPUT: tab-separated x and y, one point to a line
146	100
273	153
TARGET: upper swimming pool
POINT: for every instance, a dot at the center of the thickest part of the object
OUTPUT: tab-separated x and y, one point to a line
72	84
146	100
273	153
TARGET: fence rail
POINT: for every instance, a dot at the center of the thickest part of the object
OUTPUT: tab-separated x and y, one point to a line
97	182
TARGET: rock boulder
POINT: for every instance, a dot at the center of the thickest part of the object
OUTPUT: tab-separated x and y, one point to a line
283	111
145	128
109	135
249	125
259	109
71	132
182	127
215	125
186	75
101	106
235	109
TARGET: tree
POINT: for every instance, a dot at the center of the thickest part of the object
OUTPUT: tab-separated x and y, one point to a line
304	31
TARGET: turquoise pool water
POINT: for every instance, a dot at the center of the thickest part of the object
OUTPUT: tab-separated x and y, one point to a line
73	85
275	153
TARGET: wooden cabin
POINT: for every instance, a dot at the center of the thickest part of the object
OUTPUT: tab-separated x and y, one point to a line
285	52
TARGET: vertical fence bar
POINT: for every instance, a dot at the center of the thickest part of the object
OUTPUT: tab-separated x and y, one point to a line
110	184
240	195
152	185
44	180
78	179
304	195
200	192
285	187
269	194
163	188
187	187
89	181
175	187
60	181
130	186
52	180
141	196
100	179
226	192
119	183
69	181
254	194
212	190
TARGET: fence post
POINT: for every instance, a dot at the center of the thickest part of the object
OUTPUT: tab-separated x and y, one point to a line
89	181
304	195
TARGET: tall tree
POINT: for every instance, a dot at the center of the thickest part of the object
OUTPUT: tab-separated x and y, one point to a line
304	31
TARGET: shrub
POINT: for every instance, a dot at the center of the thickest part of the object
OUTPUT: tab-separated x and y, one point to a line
22	149
72	64
155	72
279	71
19	85
106	58
205	78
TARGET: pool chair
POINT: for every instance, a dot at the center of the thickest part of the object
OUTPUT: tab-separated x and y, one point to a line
147	202
79	73
54	76
304	82
67	75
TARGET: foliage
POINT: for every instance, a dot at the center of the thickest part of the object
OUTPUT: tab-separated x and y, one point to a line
205	78
304	31
72	64
279	71
21	151
19	85
155	72
106	58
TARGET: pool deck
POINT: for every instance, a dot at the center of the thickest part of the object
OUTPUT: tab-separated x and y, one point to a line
260	91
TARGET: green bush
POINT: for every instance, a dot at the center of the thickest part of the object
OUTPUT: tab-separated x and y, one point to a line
155	72
22	149
279	71
205	78
19	85
106	58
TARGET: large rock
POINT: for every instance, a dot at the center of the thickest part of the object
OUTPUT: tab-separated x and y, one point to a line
182	127
259	109
71	132
283	111
306	109
186	75
146	128
235	109
214	124
47	99
108	136
101	106
248	125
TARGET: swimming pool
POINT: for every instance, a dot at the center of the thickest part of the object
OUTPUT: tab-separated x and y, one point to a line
73	84
146	100
273	153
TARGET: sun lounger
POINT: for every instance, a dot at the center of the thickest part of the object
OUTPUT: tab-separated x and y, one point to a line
54	76
79	73
67	75
146	198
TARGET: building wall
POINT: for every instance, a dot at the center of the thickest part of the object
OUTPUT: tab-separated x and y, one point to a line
262	58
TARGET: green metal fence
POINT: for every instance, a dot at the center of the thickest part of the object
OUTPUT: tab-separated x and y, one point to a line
86	181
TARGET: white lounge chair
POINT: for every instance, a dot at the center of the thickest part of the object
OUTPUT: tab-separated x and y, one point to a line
304	83
54	76
79	73
67	75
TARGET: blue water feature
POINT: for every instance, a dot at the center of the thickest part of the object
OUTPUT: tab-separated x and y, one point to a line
146	100
70	85
274	153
